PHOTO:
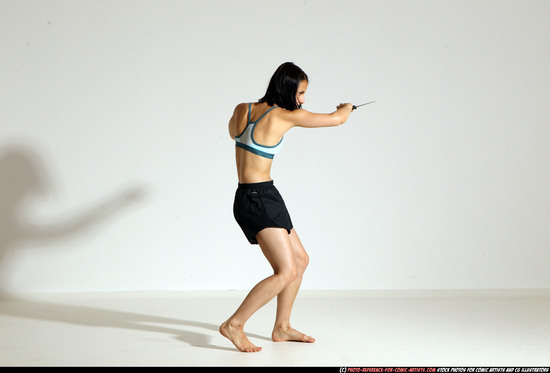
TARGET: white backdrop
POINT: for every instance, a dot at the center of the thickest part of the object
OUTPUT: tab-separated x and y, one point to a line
117	172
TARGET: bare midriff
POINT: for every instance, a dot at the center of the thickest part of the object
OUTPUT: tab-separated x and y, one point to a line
252	168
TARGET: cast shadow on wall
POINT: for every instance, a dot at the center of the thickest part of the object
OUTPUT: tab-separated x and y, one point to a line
23	180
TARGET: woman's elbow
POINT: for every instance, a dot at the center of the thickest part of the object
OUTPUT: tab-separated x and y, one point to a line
338	119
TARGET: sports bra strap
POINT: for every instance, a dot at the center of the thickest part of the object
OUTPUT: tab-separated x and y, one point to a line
256	121
246	139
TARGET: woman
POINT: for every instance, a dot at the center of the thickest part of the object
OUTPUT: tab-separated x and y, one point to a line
258	130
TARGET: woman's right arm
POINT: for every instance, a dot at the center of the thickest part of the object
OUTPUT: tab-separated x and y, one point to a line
304	118
237	114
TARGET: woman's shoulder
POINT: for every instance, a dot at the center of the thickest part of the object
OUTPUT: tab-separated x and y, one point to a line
240	109
242	106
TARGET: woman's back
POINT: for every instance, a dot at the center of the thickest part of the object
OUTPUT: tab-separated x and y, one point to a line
258	131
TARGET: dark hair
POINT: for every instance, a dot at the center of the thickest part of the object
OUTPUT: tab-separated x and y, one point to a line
283	86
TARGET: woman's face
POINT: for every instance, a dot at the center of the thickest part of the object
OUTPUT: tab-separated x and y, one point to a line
301	93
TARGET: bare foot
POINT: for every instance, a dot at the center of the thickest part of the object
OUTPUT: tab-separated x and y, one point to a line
238	338
289	334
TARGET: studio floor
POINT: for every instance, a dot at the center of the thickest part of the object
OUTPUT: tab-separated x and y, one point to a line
352	328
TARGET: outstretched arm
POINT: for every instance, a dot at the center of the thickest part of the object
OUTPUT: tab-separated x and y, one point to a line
304	118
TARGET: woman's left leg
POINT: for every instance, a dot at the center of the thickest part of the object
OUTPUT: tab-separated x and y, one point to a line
282	330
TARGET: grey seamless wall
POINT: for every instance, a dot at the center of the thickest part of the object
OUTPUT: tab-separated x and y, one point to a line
118	173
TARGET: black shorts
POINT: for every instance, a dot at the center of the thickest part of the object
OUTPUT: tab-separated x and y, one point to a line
258	206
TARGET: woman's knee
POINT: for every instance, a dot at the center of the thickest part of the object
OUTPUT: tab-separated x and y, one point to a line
300	256
305	261
302	262
287	275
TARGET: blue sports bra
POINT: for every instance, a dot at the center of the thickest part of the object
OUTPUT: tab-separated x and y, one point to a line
246	139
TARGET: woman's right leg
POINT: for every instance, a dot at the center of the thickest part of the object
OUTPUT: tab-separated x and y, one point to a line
277	248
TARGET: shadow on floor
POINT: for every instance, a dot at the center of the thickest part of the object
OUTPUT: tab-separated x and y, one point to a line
15	306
